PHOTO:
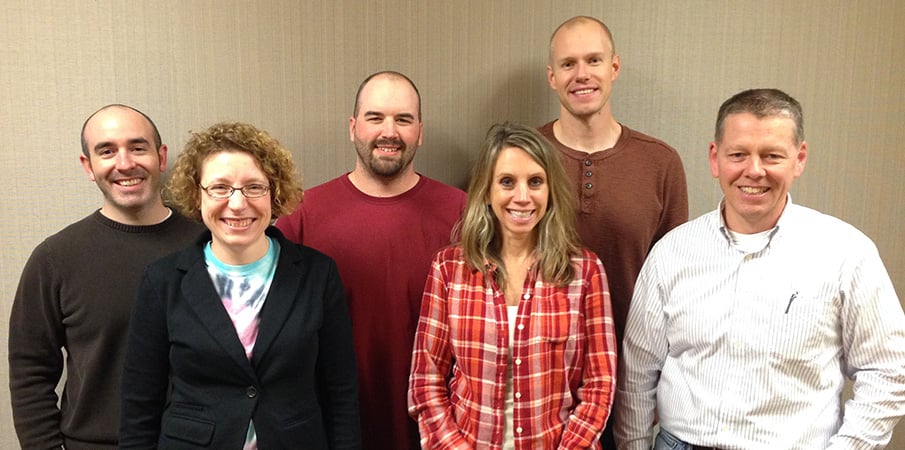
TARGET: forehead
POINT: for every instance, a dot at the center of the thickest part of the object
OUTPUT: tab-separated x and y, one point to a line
578	39
388	95
117	124
230	163
746	129
515	159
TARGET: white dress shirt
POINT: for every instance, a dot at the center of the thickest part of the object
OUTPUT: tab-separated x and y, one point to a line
748	348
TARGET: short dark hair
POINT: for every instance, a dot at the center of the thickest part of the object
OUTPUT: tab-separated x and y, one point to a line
157	141
389	74
762	103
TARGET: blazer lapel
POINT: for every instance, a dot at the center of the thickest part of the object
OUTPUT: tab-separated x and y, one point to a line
198	290
281	298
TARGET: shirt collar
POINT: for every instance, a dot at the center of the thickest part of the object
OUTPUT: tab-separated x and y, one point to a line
782	222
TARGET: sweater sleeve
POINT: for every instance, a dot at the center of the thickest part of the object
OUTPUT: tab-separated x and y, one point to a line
146	369
36	339
675	198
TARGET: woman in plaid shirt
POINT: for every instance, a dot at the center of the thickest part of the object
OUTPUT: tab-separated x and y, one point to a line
515	346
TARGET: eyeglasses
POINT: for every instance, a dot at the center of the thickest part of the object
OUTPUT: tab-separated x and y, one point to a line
224	191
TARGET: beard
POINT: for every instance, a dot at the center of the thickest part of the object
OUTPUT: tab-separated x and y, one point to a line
389	166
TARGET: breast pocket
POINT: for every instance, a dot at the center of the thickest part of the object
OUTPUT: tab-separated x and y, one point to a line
554	327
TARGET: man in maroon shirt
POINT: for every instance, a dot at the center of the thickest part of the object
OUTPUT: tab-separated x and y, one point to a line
382	224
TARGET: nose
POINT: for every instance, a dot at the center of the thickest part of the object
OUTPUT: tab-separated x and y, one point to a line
521	193
124	160
755	168
389	128
581	70
237	199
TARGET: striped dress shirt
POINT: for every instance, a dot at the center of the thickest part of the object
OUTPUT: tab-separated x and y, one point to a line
564	359
750	349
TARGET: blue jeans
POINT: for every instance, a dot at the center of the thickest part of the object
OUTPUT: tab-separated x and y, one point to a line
666	441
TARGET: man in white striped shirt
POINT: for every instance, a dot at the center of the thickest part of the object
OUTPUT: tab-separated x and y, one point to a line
746	321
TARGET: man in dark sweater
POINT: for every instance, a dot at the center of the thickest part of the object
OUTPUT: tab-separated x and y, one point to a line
78	286
630	187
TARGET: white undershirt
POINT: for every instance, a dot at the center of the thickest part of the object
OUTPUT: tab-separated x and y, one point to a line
509	405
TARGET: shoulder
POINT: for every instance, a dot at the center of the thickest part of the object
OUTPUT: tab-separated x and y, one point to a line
812	225
546	130
650	144
691	234
587	261
449	254
298	253
327	190
73	237
437	188
180	223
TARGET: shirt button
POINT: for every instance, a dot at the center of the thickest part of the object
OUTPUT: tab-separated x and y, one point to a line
518	361
518	395
518	430
521	326
588	173
588	185
251	392
526	296
587	162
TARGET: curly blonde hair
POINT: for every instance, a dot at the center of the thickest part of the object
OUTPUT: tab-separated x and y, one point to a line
183	188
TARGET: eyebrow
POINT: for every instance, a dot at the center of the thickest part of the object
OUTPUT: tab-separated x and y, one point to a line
135	141
404	115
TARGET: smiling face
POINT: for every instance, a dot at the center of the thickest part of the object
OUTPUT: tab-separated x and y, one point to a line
387	127
583	67
124	163
756	161
237	223
518	193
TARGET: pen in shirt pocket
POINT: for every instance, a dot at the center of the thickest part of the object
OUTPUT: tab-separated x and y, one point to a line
793	297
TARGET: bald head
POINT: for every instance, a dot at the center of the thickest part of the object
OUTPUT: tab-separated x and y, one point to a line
579	21
385	75
155	133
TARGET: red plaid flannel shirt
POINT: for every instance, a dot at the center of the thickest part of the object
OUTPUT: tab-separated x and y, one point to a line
564	359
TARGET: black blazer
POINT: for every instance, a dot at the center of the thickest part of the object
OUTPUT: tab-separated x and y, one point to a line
300	387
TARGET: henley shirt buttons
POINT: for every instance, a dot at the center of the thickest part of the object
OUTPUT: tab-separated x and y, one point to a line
587	162
588	173
251	392
588	185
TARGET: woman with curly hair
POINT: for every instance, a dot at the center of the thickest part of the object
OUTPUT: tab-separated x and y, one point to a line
515	346
242	340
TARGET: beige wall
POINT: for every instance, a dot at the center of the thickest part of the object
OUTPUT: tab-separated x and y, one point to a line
292	67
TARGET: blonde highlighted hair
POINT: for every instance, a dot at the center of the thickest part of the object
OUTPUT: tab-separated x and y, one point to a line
557	240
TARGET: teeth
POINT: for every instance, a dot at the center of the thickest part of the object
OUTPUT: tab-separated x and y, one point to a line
584	91
520	214
129	182
753	190
238	223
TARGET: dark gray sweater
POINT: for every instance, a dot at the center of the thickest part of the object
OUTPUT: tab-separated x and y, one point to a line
76	292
